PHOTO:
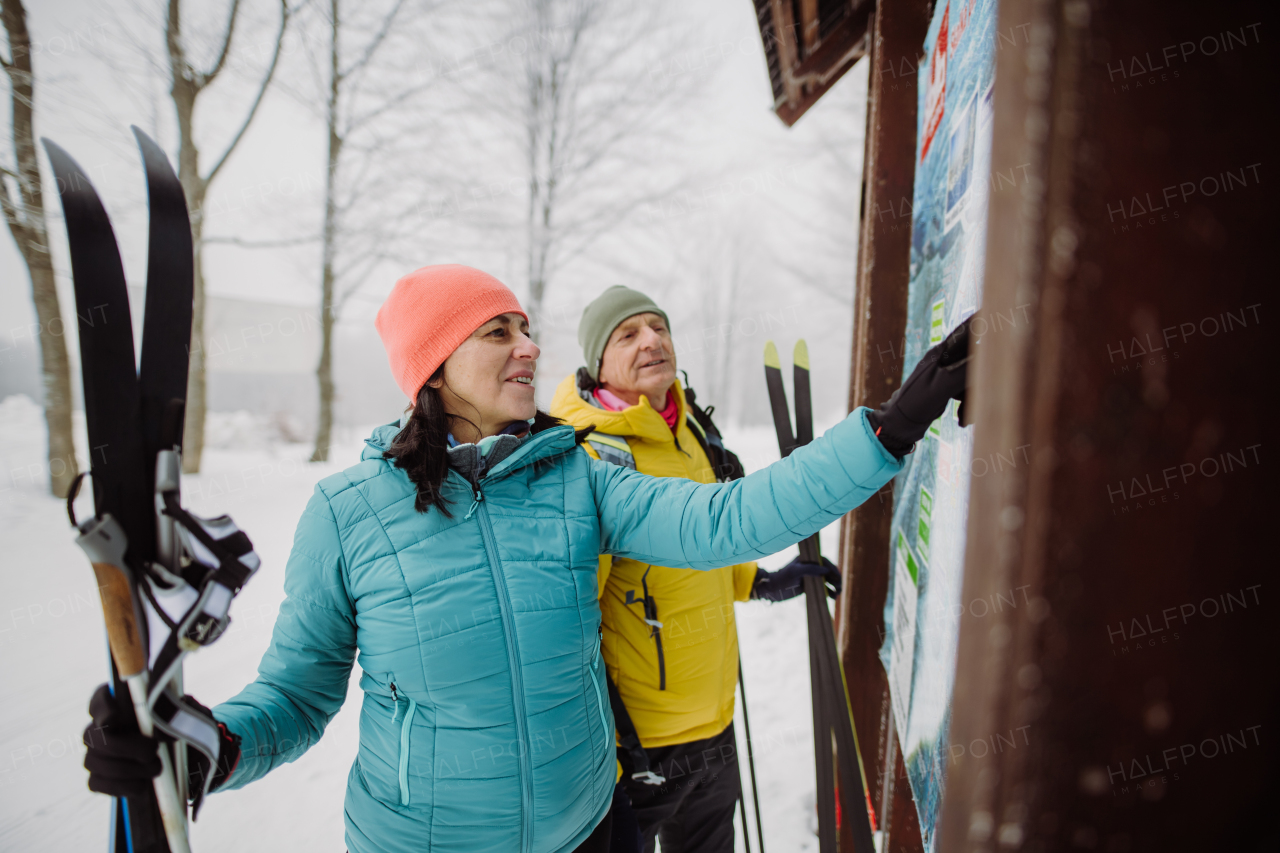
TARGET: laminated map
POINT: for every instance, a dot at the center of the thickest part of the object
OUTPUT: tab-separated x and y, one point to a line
931	495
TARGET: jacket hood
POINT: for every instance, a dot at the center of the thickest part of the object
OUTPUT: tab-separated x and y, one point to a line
543	445
641	420
379	440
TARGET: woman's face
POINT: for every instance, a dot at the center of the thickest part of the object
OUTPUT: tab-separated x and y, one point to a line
489	378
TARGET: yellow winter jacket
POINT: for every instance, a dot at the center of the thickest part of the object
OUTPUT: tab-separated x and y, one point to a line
688	695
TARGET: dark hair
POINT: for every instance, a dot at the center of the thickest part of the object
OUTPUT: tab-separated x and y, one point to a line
585	382
422	447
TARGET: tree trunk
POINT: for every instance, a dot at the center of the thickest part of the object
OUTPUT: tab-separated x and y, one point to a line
324	370
183	92
193	424
55	372
187	84
537	283
27	224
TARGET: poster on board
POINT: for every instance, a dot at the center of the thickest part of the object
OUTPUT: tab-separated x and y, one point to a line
931	495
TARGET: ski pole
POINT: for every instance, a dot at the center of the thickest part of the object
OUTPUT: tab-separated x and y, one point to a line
103	541
751	764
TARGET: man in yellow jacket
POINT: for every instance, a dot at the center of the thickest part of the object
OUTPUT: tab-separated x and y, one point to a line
670	641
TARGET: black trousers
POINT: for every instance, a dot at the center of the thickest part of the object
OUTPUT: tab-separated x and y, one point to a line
692	812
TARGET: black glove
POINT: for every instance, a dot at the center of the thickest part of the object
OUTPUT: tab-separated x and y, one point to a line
122	762
922	399
198	763
788	581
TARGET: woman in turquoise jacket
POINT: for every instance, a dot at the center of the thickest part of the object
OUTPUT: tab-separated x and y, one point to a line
456	564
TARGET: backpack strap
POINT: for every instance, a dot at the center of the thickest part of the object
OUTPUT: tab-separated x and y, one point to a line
629	740
724	462
612	448
615	450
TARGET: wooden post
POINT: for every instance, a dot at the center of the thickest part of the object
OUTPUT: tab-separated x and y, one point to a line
1118	691
880	315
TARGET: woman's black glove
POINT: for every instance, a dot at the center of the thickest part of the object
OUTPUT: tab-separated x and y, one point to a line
788	581
922	399
122	762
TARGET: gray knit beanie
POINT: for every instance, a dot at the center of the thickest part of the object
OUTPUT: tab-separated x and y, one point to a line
603	315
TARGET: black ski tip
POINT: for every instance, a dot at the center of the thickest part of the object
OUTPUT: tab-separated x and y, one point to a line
147	145
155	162
150	148
71	180
63	163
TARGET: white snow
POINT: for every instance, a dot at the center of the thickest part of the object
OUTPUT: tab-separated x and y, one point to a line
53	654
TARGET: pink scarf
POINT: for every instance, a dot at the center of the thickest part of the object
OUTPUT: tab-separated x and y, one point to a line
614	403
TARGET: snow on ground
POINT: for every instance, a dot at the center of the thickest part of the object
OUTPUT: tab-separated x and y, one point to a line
53	654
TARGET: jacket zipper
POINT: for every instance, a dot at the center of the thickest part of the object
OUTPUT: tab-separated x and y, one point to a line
517	676
651	617
403	762
595	669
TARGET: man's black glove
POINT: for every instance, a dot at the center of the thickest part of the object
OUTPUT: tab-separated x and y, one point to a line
122	762
922	399
788	581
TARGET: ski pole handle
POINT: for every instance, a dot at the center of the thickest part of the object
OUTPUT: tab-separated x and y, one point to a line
103	541
122	627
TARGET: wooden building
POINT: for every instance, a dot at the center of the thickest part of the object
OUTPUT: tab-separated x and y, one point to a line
1133	257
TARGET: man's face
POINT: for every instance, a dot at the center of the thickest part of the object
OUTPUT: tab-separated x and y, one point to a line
639	359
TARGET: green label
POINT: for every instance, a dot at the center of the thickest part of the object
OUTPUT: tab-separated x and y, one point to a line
937	321
905	550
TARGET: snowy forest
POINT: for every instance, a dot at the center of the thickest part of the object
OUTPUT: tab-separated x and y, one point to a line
327	147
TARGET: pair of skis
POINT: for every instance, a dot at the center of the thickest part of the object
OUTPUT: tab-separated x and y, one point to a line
166	578
832	719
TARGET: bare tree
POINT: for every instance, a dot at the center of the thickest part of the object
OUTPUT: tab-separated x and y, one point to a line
186	85
24	211
589	91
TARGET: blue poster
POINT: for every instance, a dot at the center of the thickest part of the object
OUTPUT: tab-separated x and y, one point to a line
948	245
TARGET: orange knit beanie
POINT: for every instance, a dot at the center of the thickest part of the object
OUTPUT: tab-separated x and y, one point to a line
430	312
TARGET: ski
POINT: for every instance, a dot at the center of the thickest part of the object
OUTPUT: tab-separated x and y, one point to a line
120	494
838	691
166	577
162	373
166	325
787	442
831	714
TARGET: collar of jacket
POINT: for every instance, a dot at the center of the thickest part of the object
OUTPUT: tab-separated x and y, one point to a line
640	420
544	445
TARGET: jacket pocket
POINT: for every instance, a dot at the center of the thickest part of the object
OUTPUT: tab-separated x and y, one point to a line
597	678
410	707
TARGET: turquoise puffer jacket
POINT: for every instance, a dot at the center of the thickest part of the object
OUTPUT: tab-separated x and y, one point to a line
486	722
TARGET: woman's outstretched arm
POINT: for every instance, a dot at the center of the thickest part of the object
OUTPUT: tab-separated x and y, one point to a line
676	522
302	680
